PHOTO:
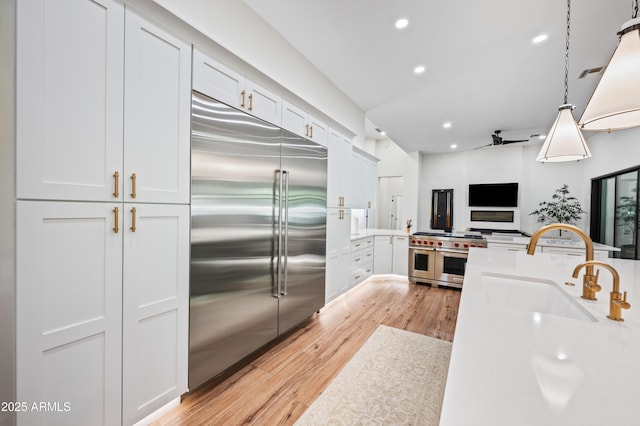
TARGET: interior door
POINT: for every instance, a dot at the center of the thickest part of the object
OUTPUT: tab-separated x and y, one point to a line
303	291
442	209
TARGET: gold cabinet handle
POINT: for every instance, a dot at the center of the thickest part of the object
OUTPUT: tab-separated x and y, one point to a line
242	101
306	131
116	184
133	185
311	132
251	102
133	219
115	220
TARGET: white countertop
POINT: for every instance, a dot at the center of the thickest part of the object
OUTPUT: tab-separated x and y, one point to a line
372	232
512	366
546	242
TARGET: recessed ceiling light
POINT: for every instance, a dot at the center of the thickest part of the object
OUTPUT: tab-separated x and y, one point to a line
542	137
402	23
446	125
540	38
419	69
453	146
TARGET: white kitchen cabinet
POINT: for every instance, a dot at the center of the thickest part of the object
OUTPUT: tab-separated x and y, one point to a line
338	251
69	310
383	254
157	108
69	109
102	309
400	264
102	95
574	252
339	170
220	82
155	307
364	181
301	123
391	255
361	259
99	114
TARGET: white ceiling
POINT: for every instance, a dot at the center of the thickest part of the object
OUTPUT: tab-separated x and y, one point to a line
483	71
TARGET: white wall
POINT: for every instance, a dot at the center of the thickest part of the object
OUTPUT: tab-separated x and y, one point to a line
394	162
537	181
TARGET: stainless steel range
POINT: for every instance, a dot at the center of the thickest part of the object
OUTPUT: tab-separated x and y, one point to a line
440	258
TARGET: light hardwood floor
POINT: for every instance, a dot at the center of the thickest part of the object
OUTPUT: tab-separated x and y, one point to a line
275	386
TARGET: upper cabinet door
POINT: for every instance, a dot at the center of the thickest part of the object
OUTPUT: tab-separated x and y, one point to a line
294	119
262	103
157	114
69	99
213	79
317	131
339	166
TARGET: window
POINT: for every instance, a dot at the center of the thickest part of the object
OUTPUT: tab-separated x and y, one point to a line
614	207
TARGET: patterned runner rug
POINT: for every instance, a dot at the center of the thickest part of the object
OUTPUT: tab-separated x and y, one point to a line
396	378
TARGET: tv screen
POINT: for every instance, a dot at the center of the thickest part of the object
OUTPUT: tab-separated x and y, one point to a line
493	195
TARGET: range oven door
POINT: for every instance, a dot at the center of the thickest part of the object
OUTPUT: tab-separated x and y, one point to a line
421	264
450	267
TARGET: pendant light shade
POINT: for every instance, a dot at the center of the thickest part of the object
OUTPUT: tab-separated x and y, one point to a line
615	103
564	141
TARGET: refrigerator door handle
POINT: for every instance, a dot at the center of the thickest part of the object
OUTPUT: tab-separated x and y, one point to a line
278	285
285	174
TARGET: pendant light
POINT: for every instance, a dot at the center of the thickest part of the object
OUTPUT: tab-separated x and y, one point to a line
564	141
615	102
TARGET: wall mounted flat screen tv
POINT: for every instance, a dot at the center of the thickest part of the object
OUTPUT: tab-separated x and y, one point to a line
493	195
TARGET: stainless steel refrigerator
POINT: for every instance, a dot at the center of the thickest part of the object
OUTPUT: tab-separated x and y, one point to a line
258	231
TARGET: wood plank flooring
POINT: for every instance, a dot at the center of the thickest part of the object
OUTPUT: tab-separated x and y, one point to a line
276	385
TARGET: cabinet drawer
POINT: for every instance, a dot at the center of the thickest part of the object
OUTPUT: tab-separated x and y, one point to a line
359	244
357	259
367	255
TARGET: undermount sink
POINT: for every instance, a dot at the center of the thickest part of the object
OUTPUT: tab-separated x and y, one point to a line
532	294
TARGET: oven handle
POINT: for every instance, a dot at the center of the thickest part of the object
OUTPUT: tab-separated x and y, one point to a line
448	250
429	249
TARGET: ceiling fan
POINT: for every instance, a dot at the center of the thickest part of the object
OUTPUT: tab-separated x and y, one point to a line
496	139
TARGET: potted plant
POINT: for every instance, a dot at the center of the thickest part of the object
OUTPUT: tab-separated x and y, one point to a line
563	208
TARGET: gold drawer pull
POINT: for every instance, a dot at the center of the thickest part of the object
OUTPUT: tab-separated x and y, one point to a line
116	184
133	219
133	185
115	220
242	101
251	102
311	132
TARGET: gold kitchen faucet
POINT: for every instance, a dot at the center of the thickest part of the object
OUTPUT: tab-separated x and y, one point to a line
617	301
590	284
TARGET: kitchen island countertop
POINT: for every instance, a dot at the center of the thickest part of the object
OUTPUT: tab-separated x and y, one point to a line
514	366
546	242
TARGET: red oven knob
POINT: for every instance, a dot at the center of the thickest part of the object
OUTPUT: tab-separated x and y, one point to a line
439	243
456	244
413	241
466	246
473	245
431	242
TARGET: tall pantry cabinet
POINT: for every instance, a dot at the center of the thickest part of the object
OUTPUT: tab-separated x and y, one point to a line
103	117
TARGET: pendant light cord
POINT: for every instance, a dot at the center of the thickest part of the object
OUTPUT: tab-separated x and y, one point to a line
566	55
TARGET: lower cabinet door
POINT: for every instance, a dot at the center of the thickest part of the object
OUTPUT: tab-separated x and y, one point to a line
155	307
69	313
